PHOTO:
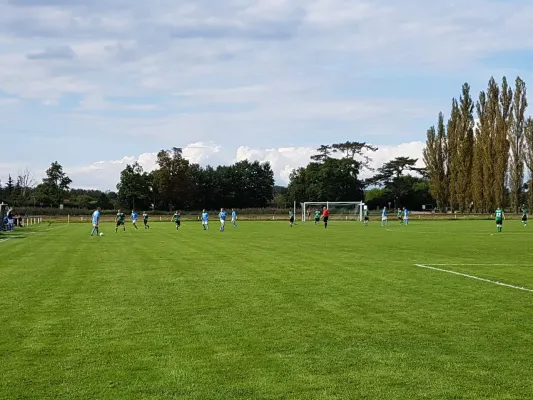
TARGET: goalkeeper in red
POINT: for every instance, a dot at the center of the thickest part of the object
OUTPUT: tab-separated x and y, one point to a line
500	216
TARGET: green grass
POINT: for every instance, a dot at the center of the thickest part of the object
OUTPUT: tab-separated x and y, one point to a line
267	312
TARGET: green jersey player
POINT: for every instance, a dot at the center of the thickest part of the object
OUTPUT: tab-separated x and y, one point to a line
524	215
291	217
317	217
400	215
500	216
176	219
119	220
145	220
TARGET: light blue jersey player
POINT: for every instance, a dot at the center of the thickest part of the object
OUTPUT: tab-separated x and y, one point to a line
134	217
384	218
234	217
222	215
205	220
405	216
96	222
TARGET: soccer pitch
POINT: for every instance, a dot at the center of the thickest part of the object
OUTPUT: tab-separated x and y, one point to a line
264	311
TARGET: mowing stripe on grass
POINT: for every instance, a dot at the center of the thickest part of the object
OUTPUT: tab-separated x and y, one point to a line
473	277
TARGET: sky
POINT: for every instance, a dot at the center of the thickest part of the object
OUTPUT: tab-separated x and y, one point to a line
98	84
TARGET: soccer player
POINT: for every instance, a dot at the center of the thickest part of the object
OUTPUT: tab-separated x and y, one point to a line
405	216
134	217
205	220
234	217
222	215
145	220
176	219
366	217
291	218
524	215
500	216
119	220
317	216
384	219
325	217
400	215
96	221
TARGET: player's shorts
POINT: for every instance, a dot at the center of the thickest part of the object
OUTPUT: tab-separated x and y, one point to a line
524	218
291	219
178	222
326	219
145	221
384	218
233	219
120	223
317	219
134	221
499	221
205	222
222	221
366	218
95	224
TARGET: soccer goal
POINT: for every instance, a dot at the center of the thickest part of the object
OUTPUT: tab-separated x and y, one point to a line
348	210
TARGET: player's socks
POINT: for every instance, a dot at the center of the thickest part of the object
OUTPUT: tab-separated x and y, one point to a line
92	232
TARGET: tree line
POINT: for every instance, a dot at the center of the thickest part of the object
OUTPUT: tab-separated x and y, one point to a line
480	165
174	184
178	184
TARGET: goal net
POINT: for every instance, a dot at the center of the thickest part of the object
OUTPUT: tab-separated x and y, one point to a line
346	210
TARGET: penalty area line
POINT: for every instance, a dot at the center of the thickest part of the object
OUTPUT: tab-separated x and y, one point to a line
474	277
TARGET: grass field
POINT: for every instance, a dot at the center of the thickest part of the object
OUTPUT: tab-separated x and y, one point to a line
268	312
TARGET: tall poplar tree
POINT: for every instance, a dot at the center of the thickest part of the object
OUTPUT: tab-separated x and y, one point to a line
454	162
435	159
465	148
501	142
477	170
528	157
489	104
516	140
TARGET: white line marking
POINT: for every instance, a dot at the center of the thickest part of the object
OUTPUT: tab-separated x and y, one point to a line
481	265
4	240
474	277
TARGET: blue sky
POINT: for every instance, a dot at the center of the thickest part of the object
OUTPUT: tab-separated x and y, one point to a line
96	84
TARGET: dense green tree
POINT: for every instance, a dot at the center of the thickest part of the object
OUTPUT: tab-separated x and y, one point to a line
134	188
327	178
391	177
56	183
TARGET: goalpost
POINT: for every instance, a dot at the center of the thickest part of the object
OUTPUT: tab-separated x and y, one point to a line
350	210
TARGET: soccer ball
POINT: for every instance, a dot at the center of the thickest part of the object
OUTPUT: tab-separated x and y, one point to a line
101	233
